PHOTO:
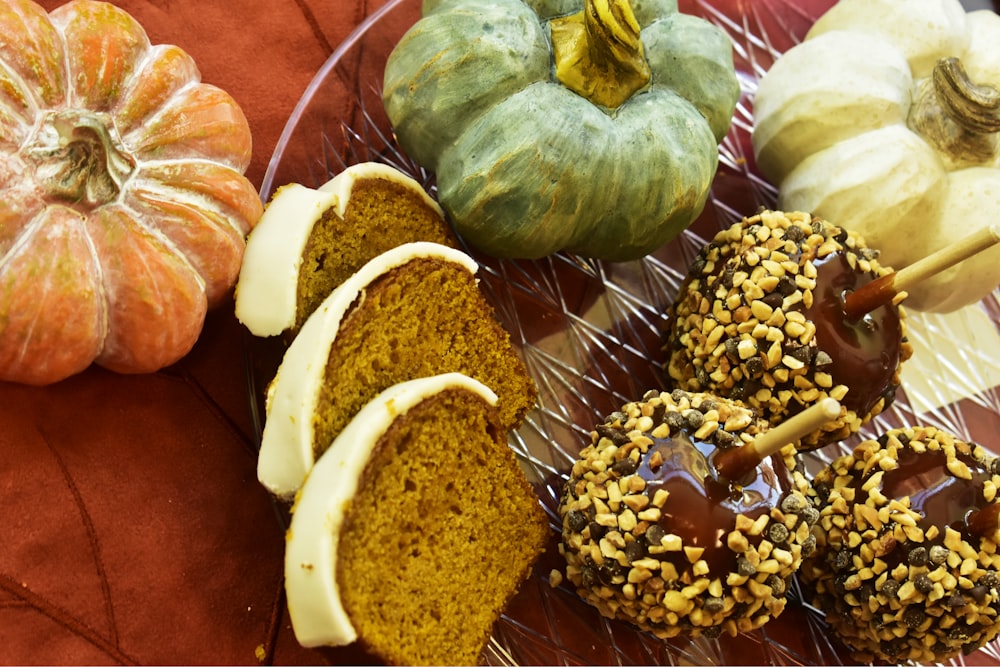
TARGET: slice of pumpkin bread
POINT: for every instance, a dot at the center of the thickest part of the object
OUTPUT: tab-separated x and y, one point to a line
413	311
310	240
414	529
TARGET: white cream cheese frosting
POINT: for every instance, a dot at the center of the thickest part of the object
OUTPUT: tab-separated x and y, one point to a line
342	185
268	281
318	617
286	452
269	276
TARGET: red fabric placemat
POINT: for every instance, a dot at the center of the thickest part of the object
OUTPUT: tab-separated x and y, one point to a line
133	529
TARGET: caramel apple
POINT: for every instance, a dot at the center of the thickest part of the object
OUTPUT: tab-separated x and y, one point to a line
654	535
906	566
761	318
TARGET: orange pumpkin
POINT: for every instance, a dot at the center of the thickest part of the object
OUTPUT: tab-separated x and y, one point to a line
125	208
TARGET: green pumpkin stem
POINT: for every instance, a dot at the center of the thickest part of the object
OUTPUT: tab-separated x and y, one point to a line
956	116
598	52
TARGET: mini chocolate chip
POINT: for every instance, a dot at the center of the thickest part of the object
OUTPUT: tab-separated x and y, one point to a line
840	560
659	410
892	647
577	520
650	395
754	366
954	601
712	632
786	287
794	233
727	275
678	395
777	585
939	554
804	353
867	590
597	531
773	299
822	359
808	546
655	534
701	375
624	467
745	567
609	571
707	406
923	583
588	576
694	419
714	604
990	580
634	551
914	617
674	420
724	439
777	532
810	515
792	503
979	593
698	265
890	589
733	349
614	434
917	557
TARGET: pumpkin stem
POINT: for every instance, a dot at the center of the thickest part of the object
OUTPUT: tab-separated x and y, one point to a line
959	118
77	158
598	53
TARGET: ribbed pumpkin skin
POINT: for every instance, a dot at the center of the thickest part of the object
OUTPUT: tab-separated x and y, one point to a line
834	132
525	167
119	275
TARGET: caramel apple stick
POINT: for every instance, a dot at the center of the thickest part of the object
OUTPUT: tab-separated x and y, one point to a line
735	463
882	291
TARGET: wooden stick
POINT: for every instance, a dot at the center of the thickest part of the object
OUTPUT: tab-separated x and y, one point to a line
735	463
882	291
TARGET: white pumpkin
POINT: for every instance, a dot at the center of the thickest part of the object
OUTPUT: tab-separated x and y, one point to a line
885	121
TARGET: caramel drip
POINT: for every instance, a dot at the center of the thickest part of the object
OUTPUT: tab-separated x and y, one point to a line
702	507
865	351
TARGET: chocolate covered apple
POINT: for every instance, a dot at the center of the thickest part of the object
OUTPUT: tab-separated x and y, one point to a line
675	520
906	566
762	318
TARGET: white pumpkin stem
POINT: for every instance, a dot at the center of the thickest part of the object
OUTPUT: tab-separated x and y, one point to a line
882	291
961	119
734	464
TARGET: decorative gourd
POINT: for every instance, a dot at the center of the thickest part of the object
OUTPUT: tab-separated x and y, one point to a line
125	209
609	152
885	120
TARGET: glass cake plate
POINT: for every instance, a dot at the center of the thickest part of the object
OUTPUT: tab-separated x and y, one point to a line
590	333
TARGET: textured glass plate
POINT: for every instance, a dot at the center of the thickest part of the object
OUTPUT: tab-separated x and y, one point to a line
590	335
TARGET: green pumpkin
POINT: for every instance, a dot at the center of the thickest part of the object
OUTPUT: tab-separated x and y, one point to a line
550	128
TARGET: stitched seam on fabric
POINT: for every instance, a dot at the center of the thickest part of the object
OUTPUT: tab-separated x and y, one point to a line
64	619
92	539
314	25
213	406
